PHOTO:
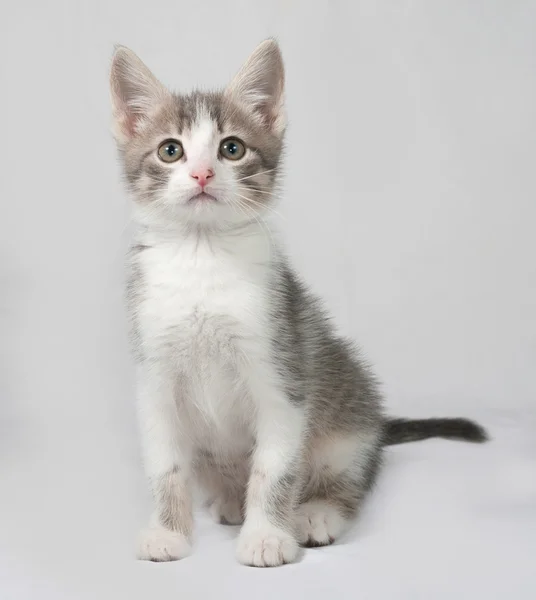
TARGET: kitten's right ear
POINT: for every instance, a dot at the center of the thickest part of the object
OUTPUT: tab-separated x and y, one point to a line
135	93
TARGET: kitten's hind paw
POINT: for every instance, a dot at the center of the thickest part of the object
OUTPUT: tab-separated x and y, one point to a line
161	545
228	512
319	524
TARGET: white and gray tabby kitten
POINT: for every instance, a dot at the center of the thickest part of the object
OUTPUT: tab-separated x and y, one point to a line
243	385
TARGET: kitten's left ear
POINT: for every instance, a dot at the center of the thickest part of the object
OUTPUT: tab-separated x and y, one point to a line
135	93
259	86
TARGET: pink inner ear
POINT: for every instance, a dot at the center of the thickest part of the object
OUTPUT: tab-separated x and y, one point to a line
129	124
128	119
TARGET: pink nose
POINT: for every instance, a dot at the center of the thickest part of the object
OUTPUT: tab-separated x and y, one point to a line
202	176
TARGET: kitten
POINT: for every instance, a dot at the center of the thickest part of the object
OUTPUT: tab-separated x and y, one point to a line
243	385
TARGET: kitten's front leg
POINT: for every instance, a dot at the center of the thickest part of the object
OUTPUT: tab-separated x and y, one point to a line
267	538
168	459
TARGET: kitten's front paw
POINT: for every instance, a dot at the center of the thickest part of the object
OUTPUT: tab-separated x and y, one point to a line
161	545
266	547
319	524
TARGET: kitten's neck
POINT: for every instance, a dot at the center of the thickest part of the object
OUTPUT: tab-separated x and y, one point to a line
253	239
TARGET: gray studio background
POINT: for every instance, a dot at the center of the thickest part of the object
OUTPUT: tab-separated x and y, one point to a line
410	207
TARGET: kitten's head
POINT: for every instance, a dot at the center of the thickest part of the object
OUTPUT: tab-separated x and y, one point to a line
202	158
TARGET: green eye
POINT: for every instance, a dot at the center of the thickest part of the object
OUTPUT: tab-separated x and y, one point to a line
170	151
232	149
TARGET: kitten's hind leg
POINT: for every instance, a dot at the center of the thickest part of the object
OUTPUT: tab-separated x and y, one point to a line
342	471
224	483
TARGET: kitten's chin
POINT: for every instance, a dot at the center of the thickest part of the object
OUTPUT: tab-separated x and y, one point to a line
202	198
202	210
214	215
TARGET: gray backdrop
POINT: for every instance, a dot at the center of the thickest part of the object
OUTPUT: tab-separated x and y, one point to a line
413	214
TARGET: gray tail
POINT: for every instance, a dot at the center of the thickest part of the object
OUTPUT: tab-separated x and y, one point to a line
400	431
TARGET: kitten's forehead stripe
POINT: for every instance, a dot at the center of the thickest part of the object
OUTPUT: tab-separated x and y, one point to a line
202	135
188	109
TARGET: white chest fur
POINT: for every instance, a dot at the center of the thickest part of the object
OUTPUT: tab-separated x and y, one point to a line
204	309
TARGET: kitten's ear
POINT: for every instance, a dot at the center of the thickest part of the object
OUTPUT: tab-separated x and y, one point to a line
135	93
259	85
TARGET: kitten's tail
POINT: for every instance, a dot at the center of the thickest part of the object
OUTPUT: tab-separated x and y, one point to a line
399	431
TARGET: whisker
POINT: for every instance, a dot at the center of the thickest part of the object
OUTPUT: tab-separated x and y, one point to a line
243	187
234	206
255	175
262	223
245	210
241	208
255	203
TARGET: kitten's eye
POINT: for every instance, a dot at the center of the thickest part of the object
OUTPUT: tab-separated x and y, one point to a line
170	151
232	148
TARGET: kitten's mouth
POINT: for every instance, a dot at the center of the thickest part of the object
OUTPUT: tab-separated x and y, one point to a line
202	197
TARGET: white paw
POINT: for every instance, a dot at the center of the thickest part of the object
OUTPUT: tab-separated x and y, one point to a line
318	523
266	547
228	512
160	545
